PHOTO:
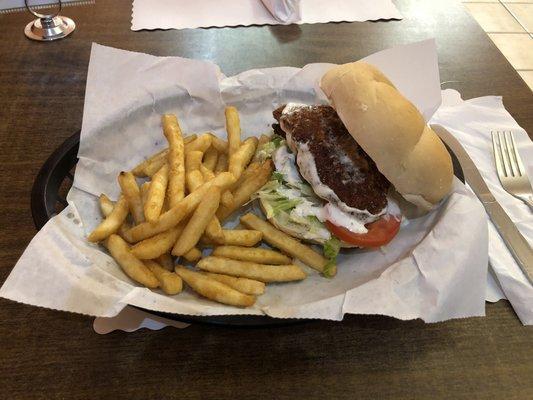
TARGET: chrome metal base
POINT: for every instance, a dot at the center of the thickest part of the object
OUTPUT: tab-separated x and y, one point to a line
48	28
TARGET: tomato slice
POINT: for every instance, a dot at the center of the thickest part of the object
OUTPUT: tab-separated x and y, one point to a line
379	233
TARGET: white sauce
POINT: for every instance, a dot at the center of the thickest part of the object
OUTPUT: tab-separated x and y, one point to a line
286	165
335	210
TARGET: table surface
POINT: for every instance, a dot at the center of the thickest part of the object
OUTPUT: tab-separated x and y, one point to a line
50	354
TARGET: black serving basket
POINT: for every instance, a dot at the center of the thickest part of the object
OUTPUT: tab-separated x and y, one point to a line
48	198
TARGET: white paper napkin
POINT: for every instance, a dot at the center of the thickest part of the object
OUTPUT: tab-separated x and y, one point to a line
180	14
471	122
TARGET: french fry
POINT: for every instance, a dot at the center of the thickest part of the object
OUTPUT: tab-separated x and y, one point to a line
219	144
106	206
286	243
193	160
252	254
201	143
157	245
240	159
152	164
214	231
227	199
176	214
242	194
210	158
131	191
144	192
155	196
207	174
176	159
165	260
252	170
194	180
160	157
131	265
193	255
169	282
198	222
233	128
243	285
222	163
214	290
241	237
112	222
245	269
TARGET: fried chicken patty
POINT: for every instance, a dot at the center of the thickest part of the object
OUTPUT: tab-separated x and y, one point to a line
341	163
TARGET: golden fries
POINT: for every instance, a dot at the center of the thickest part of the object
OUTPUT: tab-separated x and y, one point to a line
227	199
243	193
106	206
241	237
159	158
244	285
112	223
214	290
207	174
165	260
220	145
201	143
193	255
240	159
169	282
176	159
195	184
233	128
131	191
286	243
157	245
210	158
252	254
198	222
245	269
144	192
155	197
132	266
173	216
222	163
214	231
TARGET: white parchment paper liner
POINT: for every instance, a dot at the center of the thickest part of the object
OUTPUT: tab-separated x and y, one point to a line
432	270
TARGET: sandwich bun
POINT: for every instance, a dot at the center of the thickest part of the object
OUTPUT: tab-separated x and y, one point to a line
391	131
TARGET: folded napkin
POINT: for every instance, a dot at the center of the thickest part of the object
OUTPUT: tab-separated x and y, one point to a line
471	122
180	14
286	11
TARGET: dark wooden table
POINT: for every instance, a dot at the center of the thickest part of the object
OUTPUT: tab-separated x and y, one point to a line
49	354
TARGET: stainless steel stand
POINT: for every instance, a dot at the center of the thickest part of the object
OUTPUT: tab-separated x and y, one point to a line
48	27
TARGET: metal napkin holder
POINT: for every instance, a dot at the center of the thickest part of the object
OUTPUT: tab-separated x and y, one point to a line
48	27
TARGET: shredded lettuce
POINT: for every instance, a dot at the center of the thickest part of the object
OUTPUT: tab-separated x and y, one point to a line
331	250
266	150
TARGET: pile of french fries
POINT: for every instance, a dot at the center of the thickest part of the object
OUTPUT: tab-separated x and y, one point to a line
189	190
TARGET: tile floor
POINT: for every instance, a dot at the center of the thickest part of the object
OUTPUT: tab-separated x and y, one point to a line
509	23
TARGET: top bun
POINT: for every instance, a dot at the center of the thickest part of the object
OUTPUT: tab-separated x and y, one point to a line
391	131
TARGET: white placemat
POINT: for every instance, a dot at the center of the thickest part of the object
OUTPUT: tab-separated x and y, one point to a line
180	14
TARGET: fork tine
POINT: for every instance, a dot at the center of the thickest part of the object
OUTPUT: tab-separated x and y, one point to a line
505	154
521	168
497	155
512	153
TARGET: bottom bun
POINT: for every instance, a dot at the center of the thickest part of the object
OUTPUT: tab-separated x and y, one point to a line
296	234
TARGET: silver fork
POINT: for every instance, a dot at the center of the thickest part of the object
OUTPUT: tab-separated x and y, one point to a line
511	170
